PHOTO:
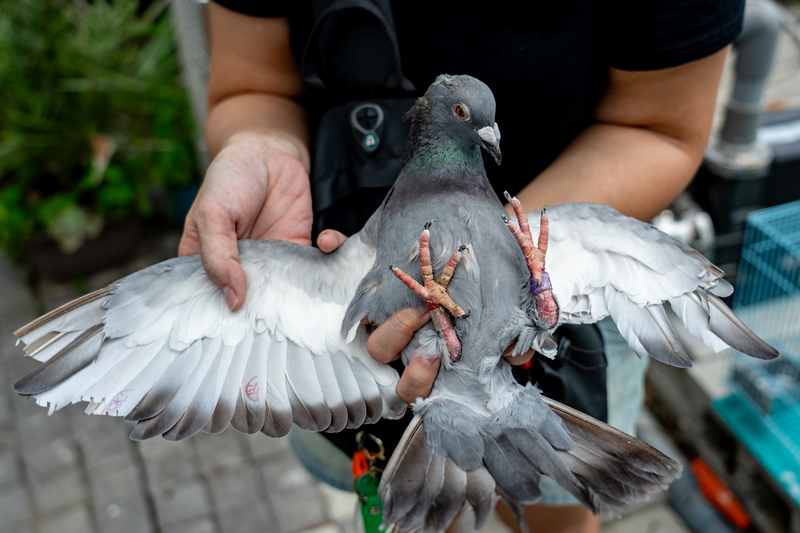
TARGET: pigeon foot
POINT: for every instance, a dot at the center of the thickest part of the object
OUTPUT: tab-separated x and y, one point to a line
545	303
435	292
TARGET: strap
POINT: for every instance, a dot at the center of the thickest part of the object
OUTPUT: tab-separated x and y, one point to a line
308	69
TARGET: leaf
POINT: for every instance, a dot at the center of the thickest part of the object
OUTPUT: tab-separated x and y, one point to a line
69	69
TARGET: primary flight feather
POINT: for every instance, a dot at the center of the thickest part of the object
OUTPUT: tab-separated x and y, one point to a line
161	347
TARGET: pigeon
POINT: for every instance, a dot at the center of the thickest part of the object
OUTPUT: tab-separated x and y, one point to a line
162	349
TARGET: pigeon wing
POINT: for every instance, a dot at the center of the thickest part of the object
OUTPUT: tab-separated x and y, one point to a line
602	263
161	348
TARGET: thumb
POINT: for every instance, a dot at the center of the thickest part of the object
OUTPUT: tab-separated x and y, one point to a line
418	377
329	240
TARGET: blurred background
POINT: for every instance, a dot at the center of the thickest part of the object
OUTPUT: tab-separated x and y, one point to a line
102	106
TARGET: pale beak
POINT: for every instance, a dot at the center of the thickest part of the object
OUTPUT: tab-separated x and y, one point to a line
491	141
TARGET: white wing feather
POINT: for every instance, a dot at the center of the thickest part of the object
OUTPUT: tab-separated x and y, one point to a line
602	263
172	356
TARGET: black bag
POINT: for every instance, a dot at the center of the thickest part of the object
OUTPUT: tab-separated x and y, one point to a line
361	134
352	173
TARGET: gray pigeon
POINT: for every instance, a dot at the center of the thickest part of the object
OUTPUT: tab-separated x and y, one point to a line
161	348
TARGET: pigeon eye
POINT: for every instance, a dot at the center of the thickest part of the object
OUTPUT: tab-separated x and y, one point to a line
461	111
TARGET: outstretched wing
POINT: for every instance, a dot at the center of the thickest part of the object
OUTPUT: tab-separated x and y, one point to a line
603	263
160	347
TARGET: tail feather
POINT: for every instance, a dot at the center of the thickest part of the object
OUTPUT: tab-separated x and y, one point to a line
643	458
512	471
449	501
401	485
481	495
434	481
603	467
617	467
541	454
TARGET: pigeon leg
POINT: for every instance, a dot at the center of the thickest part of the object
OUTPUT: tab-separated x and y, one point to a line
435	294
545	304
436	290
447	273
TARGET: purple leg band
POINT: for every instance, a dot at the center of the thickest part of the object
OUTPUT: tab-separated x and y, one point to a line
545	285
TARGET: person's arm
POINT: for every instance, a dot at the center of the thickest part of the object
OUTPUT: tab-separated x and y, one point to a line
647	142
254	84
257	186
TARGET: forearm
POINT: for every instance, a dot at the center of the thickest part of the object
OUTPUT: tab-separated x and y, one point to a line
280	121
650	133
254	85
636	171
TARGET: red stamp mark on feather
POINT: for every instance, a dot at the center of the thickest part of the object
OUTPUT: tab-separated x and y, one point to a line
116	402
251	389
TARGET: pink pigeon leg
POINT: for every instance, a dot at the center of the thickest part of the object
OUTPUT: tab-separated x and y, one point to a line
443	324
447	273
411	283
532	255
545	304
425	255
434	293
544	234
521	216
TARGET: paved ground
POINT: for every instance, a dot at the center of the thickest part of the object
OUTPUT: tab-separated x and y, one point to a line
72	473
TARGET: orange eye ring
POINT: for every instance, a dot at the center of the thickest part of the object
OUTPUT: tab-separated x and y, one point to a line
461	111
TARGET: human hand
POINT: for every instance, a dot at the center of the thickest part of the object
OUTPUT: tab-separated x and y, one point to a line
256	188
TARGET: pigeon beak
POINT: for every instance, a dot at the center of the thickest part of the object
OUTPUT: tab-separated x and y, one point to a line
490	137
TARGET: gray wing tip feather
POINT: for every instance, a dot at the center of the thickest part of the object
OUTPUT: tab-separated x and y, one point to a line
55	313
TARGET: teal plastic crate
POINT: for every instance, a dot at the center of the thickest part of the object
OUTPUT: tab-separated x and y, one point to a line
764	409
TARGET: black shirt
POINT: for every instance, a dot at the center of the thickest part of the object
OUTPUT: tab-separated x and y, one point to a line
546	62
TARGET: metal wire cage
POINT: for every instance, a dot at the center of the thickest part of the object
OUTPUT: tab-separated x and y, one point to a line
767	295
767	298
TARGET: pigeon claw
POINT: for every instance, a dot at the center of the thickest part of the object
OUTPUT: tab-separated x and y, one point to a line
546	307
434	292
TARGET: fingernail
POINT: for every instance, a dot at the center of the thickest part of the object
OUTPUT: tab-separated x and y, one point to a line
230	297
428	359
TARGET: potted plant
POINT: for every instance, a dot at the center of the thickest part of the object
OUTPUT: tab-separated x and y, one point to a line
94	127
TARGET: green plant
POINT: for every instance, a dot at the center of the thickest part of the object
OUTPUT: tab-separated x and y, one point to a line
93	121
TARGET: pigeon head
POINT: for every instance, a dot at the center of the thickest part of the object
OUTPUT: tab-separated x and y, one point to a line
460	110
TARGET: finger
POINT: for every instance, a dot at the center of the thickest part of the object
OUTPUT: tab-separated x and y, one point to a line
418	377
519	359
385	343
219	250
330	239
